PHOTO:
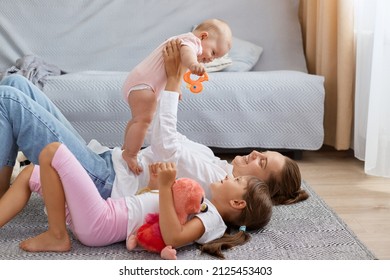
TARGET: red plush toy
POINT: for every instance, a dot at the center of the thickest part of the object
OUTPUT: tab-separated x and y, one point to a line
188	198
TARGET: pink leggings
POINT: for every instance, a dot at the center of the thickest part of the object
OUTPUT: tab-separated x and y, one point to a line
94	221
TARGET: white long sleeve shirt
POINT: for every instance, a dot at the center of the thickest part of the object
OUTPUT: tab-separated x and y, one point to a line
193	160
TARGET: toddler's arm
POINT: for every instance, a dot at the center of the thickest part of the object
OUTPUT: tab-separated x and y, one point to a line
174	233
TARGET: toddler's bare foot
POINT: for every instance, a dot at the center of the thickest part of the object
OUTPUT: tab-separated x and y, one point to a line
47	242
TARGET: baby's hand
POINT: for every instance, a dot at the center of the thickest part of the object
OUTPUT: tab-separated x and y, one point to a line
197	69
132	163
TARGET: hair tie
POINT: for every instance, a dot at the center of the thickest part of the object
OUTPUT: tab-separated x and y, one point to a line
242	228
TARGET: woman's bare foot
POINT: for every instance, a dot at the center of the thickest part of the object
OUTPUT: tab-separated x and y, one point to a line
47	242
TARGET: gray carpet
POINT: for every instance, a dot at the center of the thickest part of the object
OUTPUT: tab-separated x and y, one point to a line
308	230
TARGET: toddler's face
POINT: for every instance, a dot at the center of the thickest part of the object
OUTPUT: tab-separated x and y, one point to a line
229	188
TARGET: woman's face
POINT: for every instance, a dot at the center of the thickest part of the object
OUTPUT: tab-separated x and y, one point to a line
258	164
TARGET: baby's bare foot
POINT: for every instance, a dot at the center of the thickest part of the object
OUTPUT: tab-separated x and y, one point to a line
47	242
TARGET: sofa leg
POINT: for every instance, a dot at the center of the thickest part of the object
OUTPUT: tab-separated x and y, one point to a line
293	154
297	154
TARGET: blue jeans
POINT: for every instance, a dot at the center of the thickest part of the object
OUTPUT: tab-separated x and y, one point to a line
29	121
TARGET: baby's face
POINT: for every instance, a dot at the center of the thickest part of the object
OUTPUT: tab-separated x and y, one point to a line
213	48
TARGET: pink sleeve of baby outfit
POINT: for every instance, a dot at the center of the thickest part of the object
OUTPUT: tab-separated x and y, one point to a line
190	40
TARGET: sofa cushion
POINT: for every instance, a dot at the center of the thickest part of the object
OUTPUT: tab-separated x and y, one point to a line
267	109
218	64
244	55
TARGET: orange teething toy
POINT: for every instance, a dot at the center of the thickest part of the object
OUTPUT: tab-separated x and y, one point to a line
195	85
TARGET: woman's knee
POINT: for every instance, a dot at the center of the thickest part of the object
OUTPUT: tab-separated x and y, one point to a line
48	152
14	80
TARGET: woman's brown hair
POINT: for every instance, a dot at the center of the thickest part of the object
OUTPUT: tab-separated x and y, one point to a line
254	216
285	188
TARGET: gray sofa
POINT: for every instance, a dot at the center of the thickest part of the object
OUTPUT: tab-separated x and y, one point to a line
265	99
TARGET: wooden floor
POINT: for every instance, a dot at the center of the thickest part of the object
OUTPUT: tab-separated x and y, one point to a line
362	201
